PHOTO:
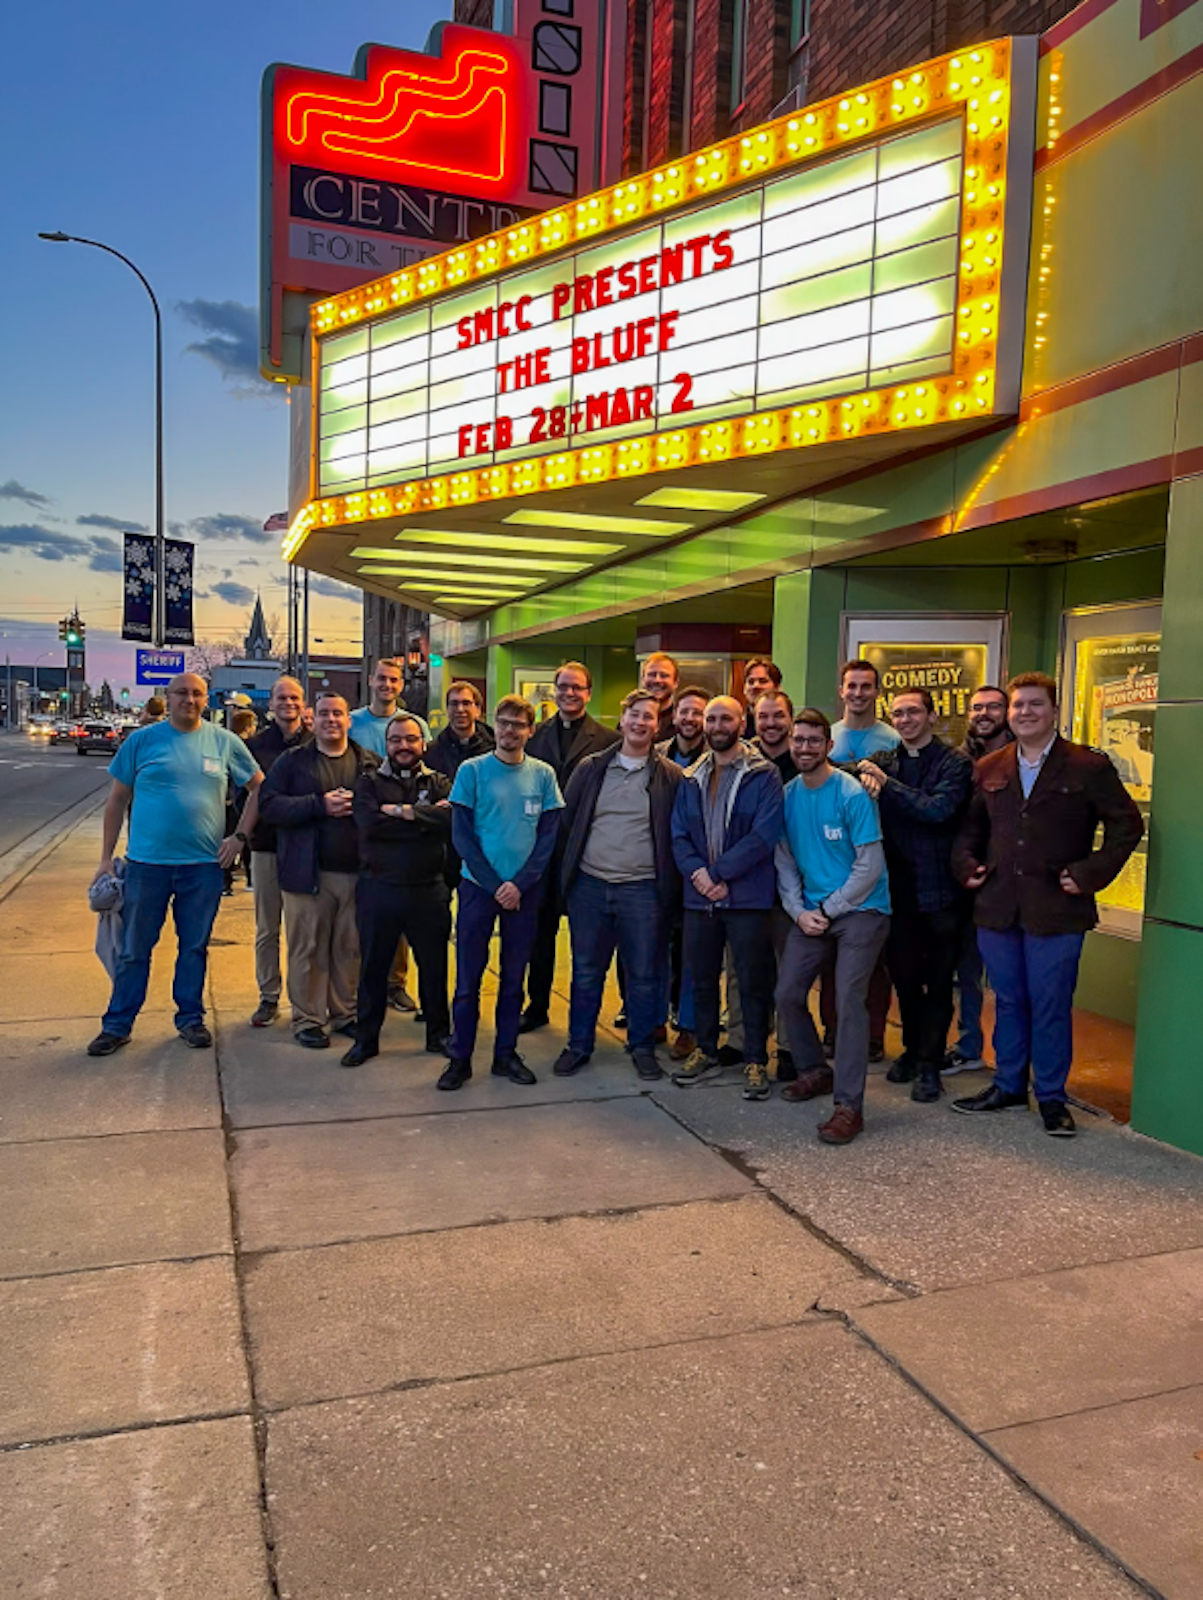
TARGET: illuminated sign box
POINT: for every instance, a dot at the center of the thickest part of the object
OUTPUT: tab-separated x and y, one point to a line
851	272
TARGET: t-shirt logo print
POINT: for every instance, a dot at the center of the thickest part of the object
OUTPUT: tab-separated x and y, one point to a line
832	833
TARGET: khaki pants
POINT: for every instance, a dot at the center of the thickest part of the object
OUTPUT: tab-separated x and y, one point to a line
323	952
268	909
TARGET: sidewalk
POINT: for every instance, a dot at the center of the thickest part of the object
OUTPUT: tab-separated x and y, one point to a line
273	1328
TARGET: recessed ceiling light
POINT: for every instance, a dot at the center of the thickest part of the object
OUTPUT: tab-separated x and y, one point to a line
502	541
450	558
835	511
503	589
588	524
448	580
470	600
700	499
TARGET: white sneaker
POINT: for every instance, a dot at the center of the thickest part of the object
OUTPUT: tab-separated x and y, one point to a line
955	1062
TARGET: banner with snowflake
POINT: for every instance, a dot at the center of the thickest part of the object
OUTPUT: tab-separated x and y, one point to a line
177	577
139	587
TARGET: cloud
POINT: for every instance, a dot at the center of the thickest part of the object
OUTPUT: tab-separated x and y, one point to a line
12	490
95	519
48	544
333	589
235	594
225	525
231	343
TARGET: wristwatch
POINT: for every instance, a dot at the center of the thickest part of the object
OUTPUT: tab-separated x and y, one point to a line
240	836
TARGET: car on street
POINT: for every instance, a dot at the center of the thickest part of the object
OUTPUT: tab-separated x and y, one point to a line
100	736
65	732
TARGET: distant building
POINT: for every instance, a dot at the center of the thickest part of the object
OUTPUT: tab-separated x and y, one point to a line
254	671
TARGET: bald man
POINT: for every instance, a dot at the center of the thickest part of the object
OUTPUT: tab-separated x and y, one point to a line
726	824
171	777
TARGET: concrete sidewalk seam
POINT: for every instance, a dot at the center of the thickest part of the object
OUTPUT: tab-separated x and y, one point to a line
437	1111
114	1266
116	1133
983	1443
37	854
1035	1276
1104	1405
150	1426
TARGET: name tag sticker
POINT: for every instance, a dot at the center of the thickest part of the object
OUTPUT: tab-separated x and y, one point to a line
534	807
832	833
213	766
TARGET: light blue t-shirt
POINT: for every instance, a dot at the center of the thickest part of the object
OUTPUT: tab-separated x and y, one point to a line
861	744
506	803
368	730
825	828
178	814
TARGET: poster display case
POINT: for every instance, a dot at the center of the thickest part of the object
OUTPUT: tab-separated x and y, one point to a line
952	656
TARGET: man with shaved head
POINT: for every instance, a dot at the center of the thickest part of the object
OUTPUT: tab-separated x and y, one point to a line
285	731
171	777
726	824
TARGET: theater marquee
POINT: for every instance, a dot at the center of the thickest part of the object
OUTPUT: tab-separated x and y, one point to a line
813	292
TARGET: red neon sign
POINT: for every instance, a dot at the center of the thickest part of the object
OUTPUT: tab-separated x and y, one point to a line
416	116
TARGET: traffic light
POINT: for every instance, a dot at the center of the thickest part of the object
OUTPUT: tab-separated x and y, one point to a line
75	632
62	628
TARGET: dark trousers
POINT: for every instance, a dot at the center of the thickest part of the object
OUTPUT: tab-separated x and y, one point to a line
385	914
880	989
748	932
542	965
1033	977
971	970
194	894
923	951
851	946
627	917
478	911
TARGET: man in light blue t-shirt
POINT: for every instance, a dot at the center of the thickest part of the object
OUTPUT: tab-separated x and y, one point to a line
369	724
505	814
859	735
831	874
171	777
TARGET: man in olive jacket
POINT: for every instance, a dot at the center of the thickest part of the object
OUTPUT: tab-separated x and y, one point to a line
1026	849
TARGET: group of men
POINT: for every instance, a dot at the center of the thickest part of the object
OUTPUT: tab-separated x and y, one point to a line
703	834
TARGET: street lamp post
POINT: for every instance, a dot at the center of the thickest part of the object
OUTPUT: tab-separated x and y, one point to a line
45	656
160	605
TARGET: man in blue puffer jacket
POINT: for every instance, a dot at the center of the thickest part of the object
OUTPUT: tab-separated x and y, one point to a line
726	824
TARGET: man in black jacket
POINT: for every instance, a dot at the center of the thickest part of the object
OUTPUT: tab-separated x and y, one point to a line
563	742
621	884
465	735
403	815
284	732
922	789
307	798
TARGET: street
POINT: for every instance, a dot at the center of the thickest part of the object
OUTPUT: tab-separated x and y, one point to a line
38	781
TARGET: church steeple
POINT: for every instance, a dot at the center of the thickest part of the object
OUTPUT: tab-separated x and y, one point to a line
258	645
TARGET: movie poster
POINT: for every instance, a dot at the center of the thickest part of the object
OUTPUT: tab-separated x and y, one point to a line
952	672
1114	708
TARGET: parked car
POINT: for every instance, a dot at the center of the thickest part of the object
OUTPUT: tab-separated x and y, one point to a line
100	736
66	732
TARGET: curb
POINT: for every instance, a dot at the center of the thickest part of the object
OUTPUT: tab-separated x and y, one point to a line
17	863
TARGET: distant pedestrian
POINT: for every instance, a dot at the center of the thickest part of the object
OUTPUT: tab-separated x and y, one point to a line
504	819
285	731
1027	850
621	884
171	777
154	710
307	797
403	816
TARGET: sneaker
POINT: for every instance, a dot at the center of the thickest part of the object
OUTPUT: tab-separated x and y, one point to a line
620	1021
267	1013
729	1056
756	1084
455	1074
196	1036
842	1126
1058	1119
927	1087
700	1068
683	1046
570	1061
902	1070
107	1044
809	1084
533	1020
955	1062
511	1066
646	1065
401	1000
992	1099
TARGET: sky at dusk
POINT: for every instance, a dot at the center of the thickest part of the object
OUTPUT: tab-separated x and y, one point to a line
137	124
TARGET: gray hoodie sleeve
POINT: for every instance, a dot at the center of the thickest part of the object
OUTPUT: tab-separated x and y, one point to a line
789	880
867	868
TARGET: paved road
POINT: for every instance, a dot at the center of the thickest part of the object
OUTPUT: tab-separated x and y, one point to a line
38	781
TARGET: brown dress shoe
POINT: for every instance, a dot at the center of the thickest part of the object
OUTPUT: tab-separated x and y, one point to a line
842	1126
814	1081
683	1046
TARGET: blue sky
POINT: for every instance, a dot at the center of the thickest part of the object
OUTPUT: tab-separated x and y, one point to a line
138	124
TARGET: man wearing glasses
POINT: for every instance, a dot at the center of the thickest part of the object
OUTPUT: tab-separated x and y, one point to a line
504	819
922	789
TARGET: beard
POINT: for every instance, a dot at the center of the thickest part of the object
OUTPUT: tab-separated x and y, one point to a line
722	740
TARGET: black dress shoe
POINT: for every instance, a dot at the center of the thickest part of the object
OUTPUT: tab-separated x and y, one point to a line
358	1054
346	1026
569	1061
1058	1119
927	1086
992	1099
313	1038
455	1074
196	1036
646	1064
512	1066
787	1072
532	1021
105	1044
903	1070
439	1046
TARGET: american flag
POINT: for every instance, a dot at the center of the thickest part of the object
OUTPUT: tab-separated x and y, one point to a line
276	523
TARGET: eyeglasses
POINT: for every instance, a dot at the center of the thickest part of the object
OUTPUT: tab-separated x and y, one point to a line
810	744
511	722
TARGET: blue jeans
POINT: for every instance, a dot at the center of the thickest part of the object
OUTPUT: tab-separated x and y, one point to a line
604	917
194	893
1033	977
969	997
474	920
